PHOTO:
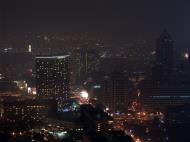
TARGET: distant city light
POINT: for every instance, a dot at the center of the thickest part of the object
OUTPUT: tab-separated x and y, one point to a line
97	87
138	140
84	94
29	90
29	48
139	93
153	53
61	135
34	92
186	56
45	38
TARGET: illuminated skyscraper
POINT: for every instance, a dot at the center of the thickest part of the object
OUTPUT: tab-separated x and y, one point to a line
53	76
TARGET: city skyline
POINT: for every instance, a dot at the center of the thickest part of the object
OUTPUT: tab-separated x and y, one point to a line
94	71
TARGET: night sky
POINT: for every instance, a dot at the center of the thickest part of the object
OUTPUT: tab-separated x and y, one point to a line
127	18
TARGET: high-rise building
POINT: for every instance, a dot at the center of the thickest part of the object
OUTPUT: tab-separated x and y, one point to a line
115	92
53	76
164	56
168	87
85	61
164	49
121	88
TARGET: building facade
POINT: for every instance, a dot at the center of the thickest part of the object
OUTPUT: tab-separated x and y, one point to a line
53	76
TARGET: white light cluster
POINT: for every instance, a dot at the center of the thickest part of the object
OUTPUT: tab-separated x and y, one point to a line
84	94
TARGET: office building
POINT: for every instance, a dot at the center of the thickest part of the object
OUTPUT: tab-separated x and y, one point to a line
163	68
115	92
84	61
53	76
121	89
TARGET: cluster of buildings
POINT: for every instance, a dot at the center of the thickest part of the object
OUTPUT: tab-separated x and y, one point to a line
38	88
169	83
53	78
167	89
